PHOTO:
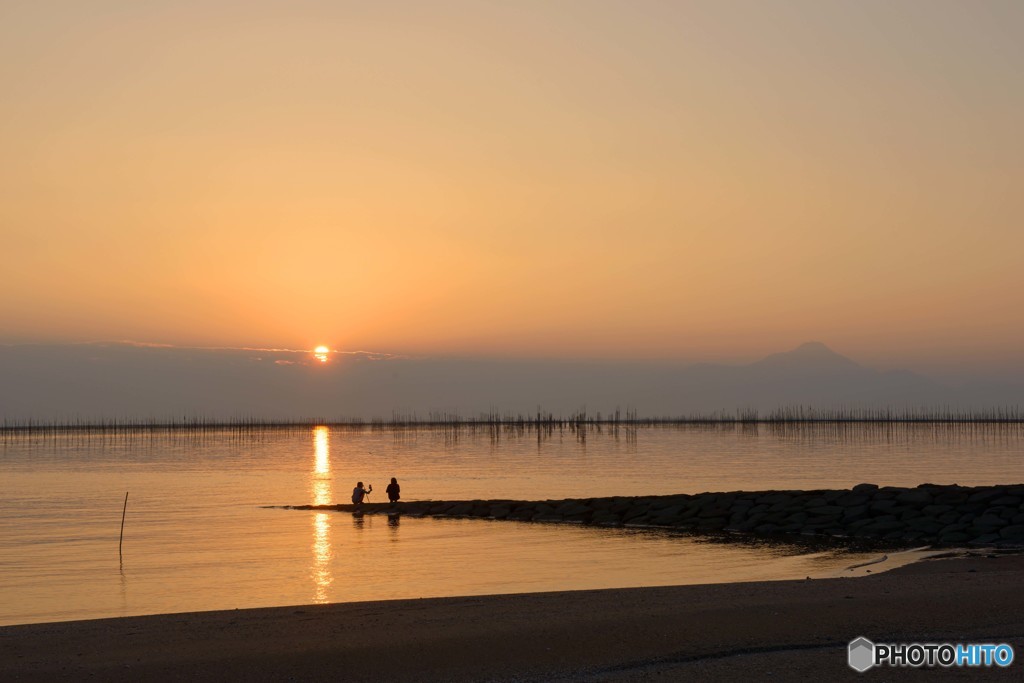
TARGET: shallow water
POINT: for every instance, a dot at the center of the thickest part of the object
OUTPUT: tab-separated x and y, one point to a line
197	538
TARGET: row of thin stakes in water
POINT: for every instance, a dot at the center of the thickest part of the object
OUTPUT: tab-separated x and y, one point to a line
796	424
791	414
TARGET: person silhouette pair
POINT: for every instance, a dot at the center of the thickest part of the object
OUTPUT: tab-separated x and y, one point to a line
359	492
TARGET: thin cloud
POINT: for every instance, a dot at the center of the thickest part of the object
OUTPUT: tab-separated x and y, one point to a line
371	355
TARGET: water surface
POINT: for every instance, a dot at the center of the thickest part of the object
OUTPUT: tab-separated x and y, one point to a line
197	538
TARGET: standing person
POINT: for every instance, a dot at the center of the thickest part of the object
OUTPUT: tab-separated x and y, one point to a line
358	493
393	490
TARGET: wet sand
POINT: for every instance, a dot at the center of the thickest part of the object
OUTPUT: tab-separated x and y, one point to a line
782	630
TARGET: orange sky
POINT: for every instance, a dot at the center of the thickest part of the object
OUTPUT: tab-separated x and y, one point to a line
603	179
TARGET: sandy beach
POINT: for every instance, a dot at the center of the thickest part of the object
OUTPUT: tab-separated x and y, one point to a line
783	630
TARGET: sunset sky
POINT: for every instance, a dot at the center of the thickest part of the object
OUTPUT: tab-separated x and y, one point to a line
663	180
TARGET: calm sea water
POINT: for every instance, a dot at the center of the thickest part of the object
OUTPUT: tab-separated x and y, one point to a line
197	537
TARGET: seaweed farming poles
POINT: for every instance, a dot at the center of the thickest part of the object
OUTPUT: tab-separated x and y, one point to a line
540	419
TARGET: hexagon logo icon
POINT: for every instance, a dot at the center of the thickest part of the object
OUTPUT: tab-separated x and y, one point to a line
861	655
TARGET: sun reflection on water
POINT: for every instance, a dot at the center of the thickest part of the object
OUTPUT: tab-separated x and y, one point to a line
321	490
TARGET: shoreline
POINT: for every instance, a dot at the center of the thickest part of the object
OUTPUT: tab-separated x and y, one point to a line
793	629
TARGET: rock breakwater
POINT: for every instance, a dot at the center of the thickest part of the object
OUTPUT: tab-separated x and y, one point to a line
927	514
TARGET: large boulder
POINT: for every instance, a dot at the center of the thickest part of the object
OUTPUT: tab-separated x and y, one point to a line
915	497
1014	532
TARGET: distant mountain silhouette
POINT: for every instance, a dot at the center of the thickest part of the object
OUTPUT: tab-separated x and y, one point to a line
810	375
809	357
117	380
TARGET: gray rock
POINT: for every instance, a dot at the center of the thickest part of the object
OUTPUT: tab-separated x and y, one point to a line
883	527
605	518
1012	532
915	497
925	525
689	511
984	540
620	505
852	514
950	497
545	517
984	496
948	517
988	522
821	521
634	512
774	517
671	512
579	517
715	511
572	507
859	524
775	498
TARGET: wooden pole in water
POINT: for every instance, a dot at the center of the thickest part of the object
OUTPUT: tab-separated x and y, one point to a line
121	540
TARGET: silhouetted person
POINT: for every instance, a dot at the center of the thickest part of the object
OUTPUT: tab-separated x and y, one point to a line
358	493
393	490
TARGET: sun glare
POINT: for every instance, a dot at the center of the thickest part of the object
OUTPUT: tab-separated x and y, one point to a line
320	353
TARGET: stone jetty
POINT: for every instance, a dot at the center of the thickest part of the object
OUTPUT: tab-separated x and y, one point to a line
927	514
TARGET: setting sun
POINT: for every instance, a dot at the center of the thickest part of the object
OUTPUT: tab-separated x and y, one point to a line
320	353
